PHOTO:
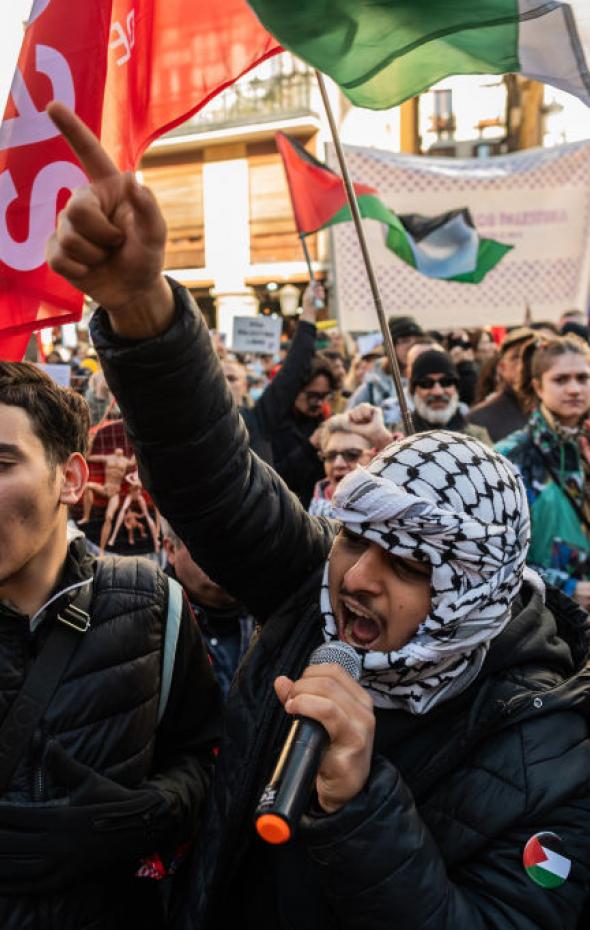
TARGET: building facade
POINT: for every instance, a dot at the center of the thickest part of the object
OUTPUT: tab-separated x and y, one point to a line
220	181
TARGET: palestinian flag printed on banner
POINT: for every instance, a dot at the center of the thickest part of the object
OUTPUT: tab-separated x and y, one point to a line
446	246
381	54
545	861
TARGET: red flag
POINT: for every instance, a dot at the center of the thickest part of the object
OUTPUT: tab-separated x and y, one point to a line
131	69
12	348
37	170
167	59
317	192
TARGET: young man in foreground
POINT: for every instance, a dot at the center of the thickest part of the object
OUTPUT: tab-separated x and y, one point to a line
455	790
110	776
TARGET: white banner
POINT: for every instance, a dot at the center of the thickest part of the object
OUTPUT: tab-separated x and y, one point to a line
537	200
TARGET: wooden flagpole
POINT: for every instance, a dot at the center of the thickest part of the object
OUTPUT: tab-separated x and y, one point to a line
356	216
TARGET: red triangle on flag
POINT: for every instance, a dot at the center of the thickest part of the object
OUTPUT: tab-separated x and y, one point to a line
317	192
534	853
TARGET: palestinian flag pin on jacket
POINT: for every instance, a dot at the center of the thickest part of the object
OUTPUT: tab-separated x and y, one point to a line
544	860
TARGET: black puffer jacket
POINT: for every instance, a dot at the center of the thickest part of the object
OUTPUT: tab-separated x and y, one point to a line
104	715
435	839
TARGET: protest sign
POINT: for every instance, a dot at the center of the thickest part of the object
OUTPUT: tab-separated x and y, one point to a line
61	374
537	200
259	334
369	342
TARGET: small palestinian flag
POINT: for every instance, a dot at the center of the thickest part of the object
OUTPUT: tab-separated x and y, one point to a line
447	247
318	195
544	860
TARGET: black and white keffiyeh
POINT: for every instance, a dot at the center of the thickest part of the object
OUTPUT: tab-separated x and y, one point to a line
448	499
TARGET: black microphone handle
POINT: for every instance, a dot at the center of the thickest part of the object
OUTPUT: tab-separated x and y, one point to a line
286	795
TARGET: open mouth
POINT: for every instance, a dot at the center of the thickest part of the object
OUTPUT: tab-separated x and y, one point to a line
357	625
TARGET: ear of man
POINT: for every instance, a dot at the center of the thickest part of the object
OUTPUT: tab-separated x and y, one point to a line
74	477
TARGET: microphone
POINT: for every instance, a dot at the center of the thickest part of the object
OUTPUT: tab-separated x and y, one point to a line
286	795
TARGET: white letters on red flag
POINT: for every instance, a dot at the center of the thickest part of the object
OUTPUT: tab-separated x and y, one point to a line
64	57
131	69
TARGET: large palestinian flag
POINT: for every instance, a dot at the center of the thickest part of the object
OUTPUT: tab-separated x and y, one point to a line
545	861
446	246
381	53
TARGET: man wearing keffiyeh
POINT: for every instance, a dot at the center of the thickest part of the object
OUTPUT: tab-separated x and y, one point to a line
466	740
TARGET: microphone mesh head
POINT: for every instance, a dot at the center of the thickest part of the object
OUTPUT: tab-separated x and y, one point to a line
340	653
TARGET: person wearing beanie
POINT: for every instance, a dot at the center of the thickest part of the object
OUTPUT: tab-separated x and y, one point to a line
434	391
454	789
578	329
378	388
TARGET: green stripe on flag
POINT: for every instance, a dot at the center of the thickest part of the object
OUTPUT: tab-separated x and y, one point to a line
489	254
543	877
381	53
372	208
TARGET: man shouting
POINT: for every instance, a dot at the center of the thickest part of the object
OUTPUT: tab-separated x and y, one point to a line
454	792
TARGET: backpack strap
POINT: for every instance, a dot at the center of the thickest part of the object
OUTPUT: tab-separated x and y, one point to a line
173	618
41	682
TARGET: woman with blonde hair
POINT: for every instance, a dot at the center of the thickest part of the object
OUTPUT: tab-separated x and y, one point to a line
552	453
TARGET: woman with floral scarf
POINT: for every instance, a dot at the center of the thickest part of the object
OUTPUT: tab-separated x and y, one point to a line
552	454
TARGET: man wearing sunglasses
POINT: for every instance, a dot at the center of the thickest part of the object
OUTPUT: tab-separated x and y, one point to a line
434	382
295	441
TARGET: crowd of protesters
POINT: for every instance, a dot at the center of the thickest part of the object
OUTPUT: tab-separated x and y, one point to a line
321	407
454	790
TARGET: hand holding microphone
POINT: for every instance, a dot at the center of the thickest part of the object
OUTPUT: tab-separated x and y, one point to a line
332	711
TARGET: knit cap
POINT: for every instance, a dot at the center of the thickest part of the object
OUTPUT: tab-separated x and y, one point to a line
432	362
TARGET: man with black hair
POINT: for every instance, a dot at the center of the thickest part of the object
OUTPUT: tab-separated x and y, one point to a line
295	441
105	745
272	412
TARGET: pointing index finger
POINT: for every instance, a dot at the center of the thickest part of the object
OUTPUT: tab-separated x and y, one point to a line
92	156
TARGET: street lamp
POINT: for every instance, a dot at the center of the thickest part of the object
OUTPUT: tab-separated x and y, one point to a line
289	300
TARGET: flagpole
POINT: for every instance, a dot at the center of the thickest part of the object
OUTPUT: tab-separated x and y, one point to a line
356	216
317	301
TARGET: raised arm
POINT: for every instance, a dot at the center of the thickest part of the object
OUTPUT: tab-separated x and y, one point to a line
240	522
279	396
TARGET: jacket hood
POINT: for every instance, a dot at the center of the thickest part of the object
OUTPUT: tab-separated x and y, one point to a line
547	629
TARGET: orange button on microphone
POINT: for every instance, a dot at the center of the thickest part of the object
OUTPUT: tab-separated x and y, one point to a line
273	829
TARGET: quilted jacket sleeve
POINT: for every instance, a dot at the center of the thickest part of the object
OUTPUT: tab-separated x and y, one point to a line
381	867
279	396
240	522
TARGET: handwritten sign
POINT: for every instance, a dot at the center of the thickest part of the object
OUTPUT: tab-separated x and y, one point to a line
258	334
